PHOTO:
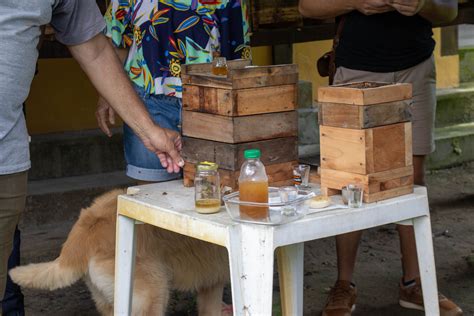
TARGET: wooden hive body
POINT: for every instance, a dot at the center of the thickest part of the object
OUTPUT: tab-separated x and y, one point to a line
366	138
251	107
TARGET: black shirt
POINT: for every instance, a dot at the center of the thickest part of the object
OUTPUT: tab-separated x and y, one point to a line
385	42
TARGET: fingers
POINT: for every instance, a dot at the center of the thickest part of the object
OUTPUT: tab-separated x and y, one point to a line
163	160
102	121
111	116
176	157
178	143
407	7
104	115
168	163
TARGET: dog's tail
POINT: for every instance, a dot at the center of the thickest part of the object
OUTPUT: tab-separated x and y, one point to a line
67	269
47	275
72	263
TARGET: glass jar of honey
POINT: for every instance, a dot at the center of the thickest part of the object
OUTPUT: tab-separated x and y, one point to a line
207	188
219	66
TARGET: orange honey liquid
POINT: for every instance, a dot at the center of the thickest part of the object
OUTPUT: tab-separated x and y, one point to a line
254	192
219	71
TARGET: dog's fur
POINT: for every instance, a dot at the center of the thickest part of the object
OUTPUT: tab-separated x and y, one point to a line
164	261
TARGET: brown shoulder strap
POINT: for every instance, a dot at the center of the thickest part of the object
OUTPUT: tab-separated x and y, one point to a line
335	43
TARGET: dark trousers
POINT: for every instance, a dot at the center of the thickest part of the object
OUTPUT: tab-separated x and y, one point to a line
12	303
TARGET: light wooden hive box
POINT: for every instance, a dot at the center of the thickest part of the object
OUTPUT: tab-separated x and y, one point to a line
366	138
251	107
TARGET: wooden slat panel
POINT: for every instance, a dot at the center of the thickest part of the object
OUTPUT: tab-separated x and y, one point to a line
240	129
389	147
266	99
377	186
388	194
208	100
231	156
207	67
343	149
339	115
241	78
357	93
366	151
239	102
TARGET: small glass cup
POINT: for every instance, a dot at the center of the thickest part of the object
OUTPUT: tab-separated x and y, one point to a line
301	176
355	194
219	66
345	195
288	194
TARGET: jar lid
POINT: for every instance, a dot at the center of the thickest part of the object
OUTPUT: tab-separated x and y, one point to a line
207	166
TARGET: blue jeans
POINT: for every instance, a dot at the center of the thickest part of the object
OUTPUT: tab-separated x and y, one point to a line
12	303
142	164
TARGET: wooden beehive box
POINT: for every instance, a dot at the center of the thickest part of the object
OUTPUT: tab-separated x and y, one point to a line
231	156
246	90
250	107
365	93
366	138
373	104
240	129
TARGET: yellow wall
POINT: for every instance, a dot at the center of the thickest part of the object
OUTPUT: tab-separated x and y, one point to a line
262	56
306	55
447	67
62	99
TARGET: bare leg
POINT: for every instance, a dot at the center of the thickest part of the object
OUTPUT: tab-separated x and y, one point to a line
406	233
209	301
347	245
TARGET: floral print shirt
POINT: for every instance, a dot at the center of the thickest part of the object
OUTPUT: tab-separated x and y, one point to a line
163	34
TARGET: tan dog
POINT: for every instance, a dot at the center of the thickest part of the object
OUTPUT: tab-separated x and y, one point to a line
164	261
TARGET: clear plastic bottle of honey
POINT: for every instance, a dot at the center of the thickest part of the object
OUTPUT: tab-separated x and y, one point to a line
253	186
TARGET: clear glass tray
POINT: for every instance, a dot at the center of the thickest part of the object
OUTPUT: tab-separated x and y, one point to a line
275	212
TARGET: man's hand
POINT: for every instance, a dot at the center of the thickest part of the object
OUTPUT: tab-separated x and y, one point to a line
324	9
369	7
105	116
167	145
407	7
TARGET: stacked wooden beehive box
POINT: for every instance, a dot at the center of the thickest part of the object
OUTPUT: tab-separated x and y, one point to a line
251	107
366	138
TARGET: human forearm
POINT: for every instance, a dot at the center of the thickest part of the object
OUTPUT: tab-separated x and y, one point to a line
101	64
439	11
122	54
323	9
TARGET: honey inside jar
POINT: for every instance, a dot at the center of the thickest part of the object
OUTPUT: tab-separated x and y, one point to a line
219	66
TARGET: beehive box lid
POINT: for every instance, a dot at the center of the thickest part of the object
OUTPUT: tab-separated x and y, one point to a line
365	93
241	75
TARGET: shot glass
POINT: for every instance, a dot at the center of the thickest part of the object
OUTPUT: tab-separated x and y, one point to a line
355	193
345	195
288	194
301	176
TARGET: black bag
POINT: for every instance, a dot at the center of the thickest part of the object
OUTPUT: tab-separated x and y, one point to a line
326	64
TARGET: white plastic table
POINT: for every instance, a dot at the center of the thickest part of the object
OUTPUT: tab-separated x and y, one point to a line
251	247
